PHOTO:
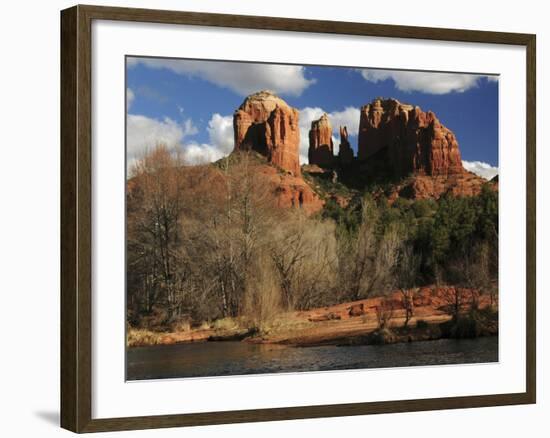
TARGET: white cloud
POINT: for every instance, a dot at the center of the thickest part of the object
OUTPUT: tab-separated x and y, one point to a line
426	82
129	98
189	128
481	169
348	117
220	133
144	133
243	78
194	153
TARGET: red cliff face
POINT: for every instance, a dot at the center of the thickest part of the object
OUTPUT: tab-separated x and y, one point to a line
398	140
433	187
290	191
345	153
321	148
267	124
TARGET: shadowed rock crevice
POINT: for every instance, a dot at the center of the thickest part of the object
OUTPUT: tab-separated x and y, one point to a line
345	153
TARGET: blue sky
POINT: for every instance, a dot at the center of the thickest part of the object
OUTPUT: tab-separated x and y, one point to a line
189	104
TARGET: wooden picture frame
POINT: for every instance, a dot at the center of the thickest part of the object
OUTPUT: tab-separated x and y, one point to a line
76	217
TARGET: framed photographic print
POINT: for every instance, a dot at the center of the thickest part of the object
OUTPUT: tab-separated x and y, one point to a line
303	218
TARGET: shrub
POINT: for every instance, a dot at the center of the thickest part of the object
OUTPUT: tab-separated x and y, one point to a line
421	324
225	324
467	327
424	208
471	325
381	337
181	325
488	314
401	204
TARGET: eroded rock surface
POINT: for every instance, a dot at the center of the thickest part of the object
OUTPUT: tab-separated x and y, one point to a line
267	124
321	147
397	140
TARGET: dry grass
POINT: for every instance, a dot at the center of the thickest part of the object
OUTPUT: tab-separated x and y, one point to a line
141	337
225	324
181	326
205	325
283	324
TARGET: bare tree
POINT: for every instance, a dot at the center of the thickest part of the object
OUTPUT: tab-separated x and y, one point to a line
367	260
231	228
480	271
287	253
384	313
154	212
407	273
454	299
262	296
471	272
303	251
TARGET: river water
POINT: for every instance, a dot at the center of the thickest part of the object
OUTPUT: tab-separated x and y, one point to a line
237	358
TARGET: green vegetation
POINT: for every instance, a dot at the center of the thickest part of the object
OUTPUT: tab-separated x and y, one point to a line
325	187
421	324
473	324
444	233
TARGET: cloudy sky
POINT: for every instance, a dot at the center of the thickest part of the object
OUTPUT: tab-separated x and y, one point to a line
188	104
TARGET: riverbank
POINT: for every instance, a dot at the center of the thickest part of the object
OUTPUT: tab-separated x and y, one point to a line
351	323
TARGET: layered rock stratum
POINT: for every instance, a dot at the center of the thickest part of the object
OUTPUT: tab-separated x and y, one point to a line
398	140
266	124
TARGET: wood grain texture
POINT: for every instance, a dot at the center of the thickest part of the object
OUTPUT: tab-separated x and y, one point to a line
69	327
76	223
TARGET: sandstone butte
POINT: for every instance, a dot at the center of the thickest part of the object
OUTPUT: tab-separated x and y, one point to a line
400	139
411	146
321	147
396	140
266	124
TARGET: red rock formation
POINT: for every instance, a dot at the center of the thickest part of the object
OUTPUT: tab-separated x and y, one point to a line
433	187
399	140
356	309
267	124
290	191
321	148
345	153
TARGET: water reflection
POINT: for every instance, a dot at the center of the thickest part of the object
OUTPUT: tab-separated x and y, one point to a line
237	358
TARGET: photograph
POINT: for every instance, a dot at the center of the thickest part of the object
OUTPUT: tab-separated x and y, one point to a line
274	210
275	219
285	218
